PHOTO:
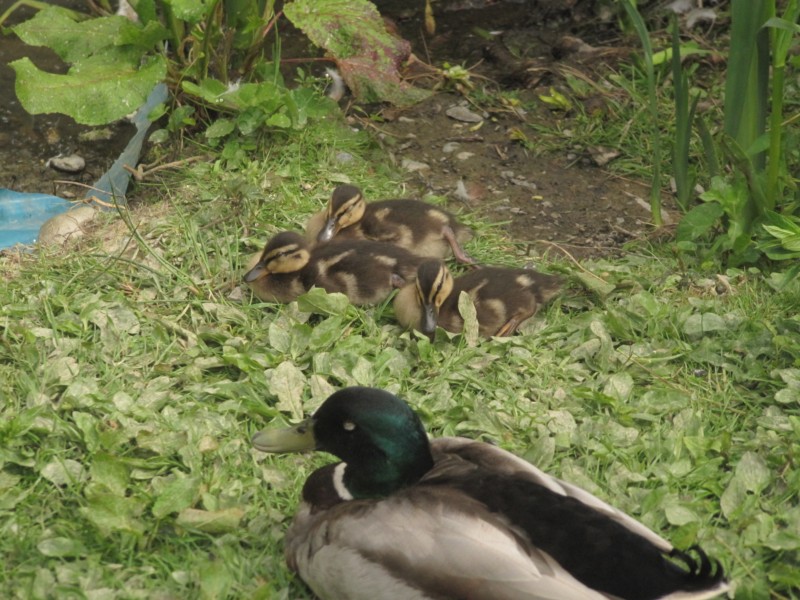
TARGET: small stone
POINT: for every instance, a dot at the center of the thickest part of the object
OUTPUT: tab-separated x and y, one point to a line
69	225
406	120
464	155
450	147
507	174
413	166
68	164
460	113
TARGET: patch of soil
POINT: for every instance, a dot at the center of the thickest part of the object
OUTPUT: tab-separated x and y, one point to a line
28	141
559	201
552	202
563	201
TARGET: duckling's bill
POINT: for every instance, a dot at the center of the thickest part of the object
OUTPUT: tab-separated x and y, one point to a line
256	272
327	232
297	438
429	318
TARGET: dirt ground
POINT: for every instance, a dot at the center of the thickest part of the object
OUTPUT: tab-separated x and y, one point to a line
554	201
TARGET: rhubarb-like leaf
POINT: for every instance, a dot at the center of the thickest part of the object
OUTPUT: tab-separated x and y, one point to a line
368	56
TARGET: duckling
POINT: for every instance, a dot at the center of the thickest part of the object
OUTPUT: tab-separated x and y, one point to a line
417	226
405	517
504	298
365	271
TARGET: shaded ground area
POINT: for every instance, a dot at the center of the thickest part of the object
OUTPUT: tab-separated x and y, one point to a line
555	201
28	141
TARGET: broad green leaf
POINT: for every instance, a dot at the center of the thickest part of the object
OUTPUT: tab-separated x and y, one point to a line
326	333
63	472
368	57
700	324
753	472
61	547
215	580
111	472
192	11
594	283
96	91
210	90
466	309
72	40
279	120
318	301
699	221
62	369
109	512
677	514
220	128
751	476
280	338
178	494
619	386
215	522
287	382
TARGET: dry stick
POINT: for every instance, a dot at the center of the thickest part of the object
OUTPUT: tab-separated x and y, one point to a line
142	171
90	198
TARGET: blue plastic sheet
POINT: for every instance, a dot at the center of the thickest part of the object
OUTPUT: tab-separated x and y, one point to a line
23	214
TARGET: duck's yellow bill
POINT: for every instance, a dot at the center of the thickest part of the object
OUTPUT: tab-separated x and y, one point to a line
291	439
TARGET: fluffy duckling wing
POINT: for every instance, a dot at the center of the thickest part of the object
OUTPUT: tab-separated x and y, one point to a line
415	225
365	271
503	298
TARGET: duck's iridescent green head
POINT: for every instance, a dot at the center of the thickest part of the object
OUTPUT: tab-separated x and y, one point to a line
375	433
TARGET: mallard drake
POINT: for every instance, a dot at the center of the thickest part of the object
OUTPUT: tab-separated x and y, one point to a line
417	226
503	298
365	271
403	517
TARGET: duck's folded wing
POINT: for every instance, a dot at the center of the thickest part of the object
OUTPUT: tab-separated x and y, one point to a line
455	453
423	544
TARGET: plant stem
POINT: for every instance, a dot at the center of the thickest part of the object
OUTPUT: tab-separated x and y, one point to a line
647	51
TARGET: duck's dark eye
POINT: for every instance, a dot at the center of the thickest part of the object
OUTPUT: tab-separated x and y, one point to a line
349	425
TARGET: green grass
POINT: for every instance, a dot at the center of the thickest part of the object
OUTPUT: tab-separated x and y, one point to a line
131	381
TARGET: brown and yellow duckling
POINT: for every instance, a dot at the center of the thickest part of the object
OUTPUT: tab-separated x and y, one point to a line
503	297
417	226
365	271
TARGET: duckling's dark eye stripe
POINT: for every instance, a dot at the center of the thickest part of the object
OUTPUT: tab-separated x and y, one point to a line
280	253
437	287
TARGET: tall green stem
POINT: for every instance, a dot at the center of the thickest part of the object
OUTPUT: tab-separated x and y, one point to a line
647	51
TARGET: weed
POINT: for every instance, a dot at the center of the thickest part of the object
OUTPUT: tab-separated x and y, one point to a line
133	376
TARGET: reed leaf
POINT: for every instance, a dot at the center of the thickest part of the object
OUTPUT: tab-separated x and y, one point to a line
652	100
684	115
783	31
746	86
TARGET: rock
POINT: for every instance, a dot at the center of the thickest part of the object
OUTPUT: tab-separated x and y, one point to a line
66	226
450	147
460	113
68	164
412	166
464	155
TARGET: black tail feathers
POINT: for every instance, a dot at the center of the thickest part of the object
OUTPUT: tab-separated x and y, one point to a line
702	572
